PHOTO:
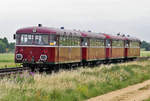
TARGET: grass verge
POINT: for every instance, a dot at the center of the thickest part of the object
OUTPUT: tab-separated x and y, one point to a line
74	85
7	60
145	53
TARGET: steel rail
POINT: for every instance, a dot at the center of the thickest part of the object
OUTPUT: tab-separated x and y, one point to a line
13	70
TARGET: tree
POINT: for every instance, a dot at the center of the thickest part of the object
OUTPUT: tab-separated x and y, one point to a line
5	46
2	47
145	45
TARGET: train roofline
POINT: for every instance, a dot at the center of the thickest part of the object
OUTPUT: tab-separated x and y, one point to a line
65	32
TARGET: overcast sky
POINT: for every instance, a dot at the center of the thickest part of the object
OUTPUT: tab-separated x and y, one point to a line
109	16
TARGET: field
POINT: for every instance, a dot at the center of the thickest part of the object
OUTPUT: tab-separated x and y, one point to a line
7	60
73	85
145	53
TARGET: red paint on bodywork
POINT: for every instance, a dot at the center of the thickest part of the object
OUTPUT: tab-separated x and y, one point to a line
35	52
107	52
84	53
126	52
51	52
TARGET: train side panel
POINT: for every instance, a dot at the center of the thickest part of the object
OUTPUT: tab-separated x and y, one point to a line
118	52
96	53
68	54
133	52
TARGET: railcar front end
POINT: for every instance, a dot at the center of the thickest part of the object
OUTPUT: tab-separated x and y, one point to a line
35	46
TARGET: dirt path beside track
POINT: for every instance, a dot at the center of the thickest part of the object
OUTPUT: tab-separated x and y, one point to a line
137	92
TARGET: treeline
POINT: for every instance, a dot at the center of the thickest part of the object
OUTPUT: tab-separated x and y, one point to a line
5	46
145	45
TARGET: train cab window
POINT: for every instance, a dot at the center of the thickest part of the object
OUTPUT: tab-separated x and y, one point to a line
84	42
41	39
52	40
27	39
18	39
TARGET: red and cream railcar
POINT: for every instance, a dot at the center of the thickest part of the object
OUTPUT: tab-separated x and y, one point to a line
44	46
36	45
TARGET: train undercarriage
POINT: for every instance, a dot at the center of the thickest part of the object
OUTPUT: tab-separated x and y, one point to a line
48	67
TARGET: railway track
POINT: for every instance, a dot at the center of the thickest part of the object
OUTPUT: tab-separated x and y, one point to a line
13	70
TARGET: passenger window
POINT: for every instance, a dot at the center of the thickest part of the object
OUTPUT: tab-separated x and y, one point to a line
134	44
118	43
69	41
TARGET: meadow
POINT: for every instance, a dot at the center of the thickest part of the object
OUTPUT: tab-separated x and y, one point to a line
73	85
145	53
7	60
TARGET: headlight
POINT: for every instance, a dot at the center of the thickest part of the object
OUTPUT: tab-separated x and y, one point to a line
19	56
43	57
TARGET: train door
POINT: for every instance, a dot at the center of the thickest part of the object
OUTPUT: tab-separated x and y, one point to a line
126	48
84	45
108	48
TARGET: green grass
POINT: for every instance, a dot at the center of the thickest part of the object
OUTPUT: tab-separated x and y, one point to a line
7	57
145	53
7	60
74	85
147	99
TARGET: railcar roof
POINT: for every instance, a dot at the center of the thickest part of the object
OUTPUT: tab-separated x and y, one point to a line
57	31
93	35
47	30
50	30
132	38
108	36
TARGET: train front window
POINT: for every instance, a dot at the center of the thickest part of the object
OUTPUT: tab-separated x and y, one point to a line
41	40
27	39
17	39
30	39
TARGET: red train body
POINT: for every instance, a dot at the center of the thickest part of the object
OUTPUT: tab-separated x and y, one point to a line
49	46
